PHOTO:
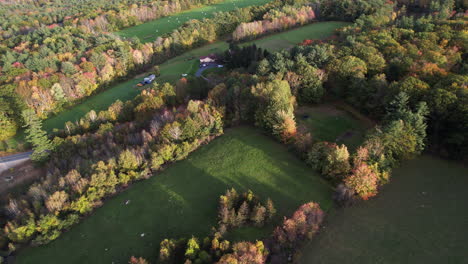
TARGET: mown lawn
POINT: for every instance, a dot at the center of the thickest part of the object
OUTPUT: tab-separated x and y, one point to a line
186	63
326	122
150	31
182	201
421	216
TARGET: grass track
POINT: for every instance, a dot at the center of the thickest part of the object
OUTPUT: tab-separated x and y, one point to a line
419	217
172	69
151	30
182	201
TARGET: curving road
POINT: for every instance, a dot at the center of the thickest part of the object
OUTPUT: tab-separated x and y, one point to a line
12	160
202	69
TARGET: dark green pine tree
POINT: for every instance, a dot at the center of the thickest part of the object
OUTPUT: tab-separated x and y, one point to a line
36	136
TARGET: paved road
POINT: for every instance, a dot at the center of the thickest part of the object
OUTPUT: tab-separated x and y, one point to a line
202	69
12	160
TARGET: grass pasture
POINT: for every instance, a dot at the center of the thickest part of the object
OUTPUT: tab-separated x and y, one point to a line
419	217
150	31
327	122
182	201
187	63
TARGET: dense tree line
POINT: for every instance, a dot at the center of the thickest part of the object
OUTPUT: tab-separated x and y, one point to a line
275	20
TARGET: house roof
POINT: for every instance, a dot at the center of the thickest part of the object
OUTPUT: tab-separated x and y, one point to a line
211	56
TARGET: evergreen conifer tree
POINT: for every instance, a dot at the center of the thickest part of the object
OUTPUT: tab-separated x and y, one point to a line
36	136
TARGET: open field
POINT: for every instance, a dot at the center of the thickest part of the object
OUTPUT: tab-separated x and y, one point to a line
187	63
326	122
151	30
419	217
182	201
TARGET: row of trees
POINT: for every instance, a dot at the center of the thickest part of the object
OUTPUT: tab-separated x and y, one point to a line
275	20
84	169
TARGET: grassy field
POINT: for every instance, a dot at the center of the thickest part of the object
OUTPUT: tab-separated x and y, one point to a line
187	63
182	201
421	216
328	123
150	31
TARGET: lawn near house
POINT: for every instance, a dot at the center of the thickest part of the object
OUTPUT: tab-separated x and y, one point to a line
182	201
187	63
150	31
419	217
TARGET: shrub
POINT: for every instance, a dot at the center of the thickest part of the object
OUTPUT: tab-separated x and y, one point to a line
363	181
246	253
134	260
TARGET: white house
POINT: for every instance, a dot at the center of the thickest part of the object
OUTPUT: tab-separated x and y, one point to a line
208	59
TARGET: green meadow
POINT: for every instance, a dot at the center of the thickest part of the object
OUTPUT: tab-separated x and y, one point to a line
419	217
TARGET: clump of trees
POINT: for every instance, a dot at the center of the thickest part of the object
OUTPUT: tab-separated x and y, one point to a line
211	250
288	237
275	110
239	210
245	57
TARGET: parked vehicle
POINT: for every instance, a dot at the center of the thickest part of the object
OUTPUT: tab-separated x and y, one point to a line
149	79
